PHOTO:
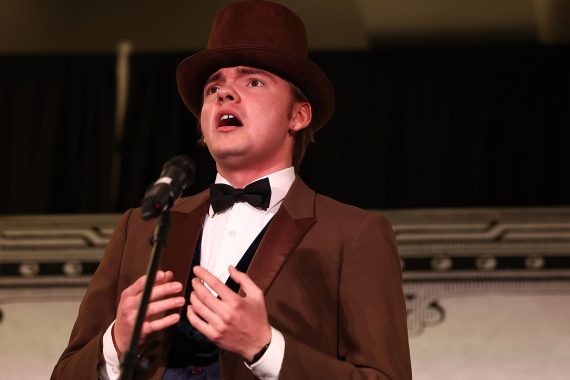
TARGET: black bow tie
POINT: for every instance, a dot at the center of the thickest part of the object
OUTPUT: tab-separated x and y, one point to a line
257	194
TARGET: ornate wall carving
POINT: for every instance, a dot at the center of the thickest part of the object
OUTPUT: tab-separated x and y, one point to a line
444	253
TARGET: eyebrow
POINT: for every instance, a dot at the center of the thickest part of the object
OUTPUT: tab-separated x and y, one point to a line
213	78
242	71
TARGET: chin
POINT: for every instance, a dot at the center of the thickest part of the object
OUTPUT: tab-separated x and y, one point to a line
229	155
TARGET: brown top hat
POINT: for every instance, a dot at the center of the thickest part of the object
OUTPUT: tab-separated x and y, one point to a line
263	35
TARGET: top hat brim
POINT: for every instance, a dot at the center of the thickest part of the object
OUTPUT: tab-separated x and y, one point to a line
193	72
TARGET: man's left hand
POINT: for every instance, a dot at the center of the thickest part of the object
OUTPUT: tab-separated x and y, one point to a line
232	322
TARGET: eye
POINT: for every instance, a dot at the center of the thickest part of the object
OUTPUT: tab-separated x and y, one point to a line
212	90
255	83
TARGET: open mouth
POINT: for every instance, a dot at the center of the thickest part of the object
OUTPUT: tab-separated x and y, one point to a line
229	120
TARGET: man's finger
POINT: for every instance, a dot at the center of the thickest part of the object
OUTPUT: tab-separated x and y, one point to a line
138	286
244	281
206	297
213	282
165	290
158	292
158	307
203	310
168	276
159	324
202	326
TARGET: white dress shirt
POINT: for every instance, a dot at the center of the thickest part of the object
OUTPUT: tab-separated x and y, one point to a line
225	238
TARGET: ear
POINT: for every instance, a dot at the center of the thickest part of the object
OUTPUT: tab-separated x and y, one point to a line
301	116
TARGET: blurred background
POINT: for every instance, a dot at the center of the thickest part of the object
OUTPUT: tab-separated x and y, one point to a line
457	113
450	103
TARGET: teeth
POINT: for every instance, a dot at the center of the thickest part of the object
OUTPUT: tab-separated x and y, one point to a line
227	116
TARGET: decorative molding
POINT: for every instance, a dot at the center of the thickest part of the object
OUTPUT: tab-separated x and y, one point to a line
458	253
444	253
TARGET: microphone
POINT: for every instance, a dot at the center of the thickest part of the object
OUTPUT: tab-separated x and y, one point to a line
177	174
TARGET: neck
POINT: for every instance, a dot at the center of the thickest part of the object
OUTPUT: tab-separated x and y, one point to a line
239	178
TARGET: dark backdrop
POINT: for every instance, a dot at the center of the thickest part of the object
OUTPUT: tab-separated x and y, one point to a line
56	133
438	126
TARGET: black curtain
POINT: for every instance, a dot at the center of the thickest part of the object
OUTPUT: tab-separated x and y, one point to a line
157	127
447	127
56	133
414	127
436	126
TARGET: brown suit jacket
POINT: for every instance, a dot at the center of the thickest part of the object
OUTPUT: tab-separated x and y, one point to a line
331	277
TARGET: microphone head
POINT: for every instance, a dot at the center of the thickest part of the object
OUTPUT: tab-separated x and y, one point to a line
177	174
184	163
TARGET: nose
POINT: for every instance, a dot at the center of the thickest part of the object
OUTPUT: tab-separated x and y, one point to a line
227	94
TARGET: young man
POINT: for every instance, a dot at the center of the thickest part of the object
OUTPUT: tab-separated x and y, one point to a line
319	282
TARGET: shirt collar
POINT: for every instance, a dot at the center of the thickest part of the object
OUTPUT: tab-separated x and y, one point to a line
279	181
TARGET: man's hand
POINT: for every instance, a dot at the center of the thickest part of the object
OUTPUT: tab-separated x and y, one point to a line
234	323
162	299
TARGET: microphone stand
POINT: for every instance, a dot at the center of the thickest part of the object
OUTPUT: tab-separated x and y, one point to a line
130	359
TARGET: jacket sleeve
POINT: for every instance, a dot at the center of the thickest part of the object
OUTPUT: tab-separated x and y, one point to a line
81	358
372	322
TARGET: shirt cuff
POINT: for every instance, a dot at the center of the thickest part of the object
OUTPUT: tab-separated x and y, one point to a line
269	365
110	367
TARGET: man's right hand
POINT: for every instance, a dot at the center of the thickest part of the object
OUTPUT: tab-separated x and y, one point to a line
163	298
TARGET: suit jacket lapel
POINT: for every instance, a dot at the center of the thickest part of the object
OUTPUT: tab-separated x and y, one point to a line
187	218
186	225
294	219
